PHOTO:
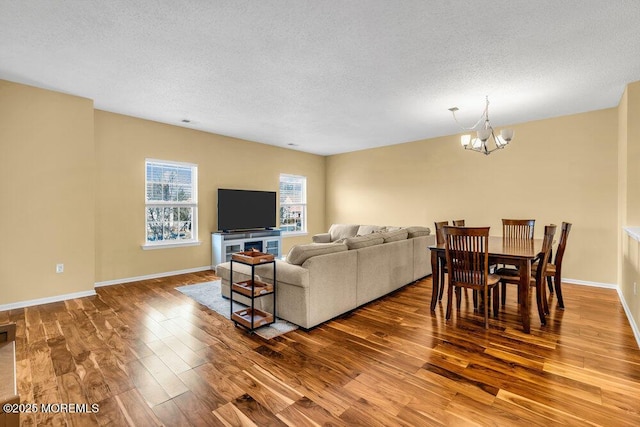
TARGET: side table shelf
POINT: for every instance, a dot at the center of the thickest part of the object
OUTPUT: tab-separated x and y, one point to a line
252	318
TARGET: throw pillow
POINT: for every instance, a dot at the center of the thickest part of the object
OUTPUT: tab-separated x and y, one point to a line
300	253
395	236
340	231
364	241
363	230
417	231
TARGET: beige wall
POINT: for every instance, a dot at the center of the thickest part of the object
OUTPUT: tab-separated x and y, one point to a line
123	143
560	169
47	215
629	197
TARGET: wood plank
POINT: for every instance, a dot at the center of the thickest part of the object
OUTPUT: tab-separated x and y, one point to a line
305	412
197	412
164	376
224	384
135	410
170	357
60	356
257	413
145	384
170	415
72	392
229	415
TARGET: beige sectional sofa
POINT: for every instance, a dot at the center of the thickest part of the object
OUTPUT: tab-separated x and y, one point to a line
343	269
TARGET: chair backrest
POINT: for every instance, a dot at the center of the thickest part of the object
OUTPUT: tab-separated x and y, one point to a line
562	244
518	228
467	252
440	232
545	253
458	222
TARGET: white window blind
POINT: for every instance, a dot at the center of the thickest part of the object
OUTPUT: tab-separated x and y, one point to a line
293	203
171	202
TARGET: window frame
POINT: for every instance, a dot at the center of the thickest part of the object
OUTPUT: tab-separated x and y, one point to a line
304	214
193	204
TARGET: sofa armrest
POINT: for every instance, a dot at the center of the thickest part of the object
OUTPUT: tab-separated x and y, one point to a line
322	238
291	274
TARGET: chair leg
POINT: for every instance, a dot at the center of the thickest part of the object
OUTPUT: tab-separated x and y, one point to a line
545	301
449	301
496	302
540	304
503	293
458	298
475	300
557	282
486	307
550	284
442	282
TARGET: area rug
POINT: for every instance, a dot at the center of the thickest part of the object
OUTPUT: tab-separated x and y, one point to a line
208	294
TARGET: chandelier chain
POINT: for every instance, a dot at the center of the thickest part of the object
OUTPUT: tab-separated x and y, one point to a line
483	117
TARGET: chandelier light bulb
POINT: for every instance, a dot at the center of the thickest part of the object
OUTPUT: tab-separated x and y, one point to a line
507	134
484	134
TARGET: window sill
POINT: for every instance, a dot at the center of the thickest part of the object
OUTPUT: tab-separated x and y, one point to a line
152	246
294	233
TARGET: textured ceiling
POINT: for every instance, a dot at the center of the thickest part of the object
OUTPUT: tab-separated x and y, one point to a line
329	76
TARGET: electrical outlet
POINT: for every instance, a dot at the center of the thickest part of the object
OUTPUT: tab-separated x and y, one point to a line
59	268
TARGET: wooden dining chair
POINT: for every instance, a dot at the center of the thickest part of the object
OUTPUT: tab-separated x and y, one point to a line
458	222
553	272
467	252
518	228
537	274
443	264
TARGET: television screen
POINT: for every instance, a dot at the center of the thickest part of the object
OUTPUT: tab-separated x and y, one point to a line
246	209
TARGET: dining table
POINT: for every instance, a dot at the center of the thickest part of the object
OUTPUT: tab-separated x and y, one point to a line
511	251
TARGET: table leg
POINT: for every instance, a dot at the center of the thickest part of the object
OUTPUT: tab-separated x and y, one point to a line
523	289
435	278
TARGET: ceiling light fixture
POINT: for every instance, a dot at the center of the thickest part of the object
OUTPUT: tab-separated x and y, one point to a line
484	134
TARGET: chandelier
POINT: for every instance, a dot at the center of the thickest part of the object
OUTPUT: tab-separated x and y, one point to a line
485	142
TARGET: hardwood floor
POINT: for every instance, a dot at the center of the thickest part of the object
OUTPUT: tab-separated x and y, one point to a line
148	355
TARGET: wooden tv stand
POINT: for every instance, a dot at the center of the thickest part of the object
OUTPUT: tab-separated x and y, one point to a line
226	243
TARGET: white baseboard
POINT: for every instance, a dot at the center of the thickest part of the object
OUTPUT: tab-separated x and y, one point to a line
588	283
47	300
151	276
634	326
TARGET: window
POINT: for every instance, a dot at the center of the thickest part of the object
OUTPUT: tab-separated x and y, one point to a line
293	204
171	203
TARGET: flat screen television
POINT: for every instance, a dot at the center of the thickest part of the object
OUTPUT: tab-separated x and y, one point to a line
246	209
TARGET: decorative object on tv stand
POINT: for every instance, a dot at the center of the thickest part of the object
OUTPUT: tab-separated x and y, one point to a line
484	134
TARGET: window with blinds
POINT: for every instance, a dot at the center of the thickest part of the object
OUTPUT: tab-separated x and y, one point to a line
293	204
171	202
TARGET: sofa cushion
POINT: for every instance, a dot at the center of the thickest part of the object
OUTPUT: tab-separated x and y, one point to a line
417	231
340	231
363	230
394	236
300	253
321	238
364	241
